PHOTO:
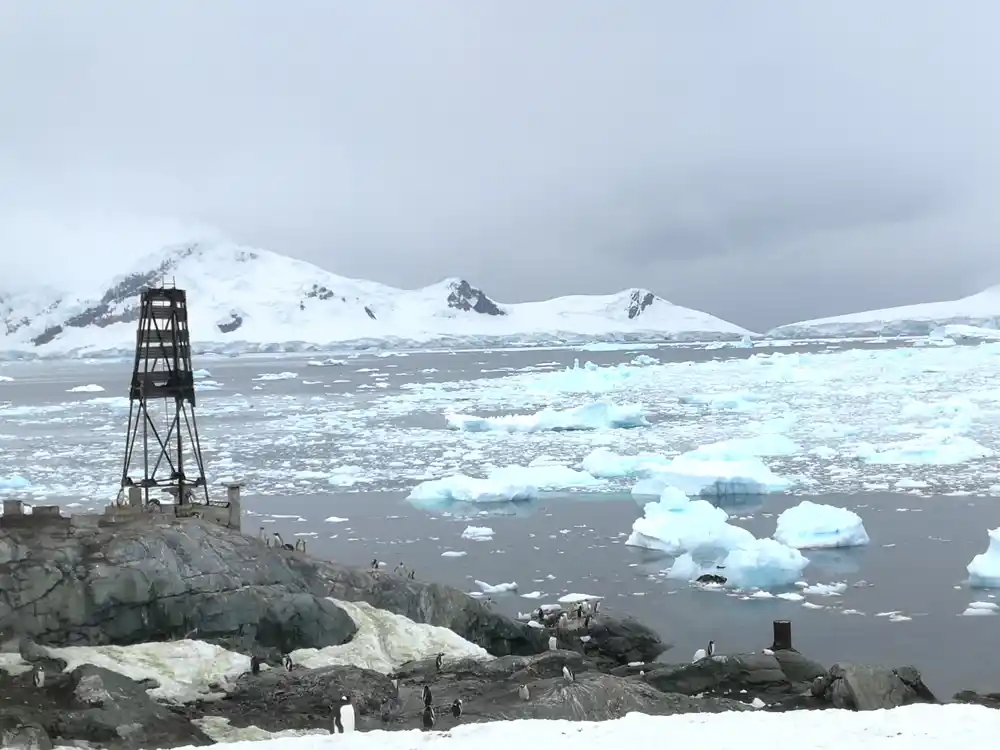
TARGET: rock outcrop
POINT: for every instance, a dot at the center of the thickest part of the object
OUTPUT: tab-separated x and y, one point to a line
90	704
300	700
866	687
768	676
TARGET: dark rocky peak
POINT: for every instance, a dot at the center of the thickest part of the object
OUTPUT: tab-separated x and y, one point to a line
463	296
639	300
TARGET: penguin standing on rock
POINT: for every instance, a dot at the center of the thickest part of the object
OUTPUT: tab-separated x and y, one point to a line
438	661
38	676
343	717
568	674
456	708
427	695
522	693
286	661
428	718
553	643
255	665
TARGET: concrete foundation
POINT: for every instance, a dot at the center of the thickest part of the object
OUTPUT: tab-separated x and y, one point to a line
14	516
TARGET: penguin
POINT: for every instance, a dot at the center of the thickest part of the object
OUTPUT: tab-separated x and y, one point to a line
553	643
413	575
300	545
702	653
541	615
438	661
38	676
399	570
568	674
286	661
586	622
456	708
344	720
280	543
374	563
263	536
255	665
428	718
427	695
395	684
522	693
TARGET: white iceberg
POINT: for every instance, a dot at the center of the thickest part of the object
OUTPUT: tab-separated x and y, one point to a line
810	525
598	415
984	570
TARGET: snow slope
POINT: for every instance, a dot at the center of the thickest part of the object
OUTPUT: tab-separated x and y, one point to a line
981	310
244	299
955	727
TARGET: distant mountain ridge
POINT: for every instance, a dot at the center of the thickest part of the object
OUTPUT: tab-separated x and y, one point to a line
248	299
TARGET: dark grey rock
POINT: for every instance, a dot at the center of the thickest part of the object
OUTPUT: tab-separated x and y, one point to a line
92	705
488	690
22	731
143	581
866	687
989	700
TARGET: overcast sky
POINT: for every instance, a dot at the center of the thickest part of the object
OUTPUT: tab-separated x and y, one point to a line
765	161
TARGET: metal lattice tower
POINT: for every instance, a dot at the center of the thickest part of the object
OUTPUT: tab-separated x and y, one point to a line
162	402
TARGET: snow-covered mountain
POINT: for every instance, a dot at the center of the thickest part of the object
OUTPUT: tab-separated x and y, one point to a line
981	310
245	299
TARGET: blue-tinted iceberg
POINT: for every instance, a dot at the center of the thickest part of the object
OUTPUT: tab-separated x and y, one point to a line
984	570
811	525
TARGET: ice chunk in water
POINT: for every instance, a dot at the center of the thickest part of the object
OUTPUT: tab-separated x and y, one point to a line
758	563
984	570
463	489
594	416
696	475
706	542
811	525
936	447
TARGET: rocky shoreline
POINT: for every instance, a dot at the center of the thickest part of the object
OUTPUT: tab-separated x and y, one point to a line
88	585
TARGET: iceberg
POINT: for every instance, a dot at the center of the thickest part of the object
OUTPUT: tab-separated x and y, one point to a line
602	463
757	564
811	525
984	570
698	475
598	415
702	539
501	485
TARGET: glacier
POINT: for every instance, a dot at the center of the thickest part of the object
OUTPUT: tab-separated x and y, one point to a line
979	311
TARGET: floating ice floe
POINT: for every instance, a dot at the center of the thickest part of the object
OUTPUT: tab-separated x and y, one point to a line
984	570
478	533
810	525
980	609
277	376
490	588
700	534
696	475
507	484
598	415
936	448
89	388
604	464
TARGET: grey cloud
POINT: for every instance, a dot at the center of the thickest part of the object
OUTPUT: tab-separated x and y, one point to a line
766	161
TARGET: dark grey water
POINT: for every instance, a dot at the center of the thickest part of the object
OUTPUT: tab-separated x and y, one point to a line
915	565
